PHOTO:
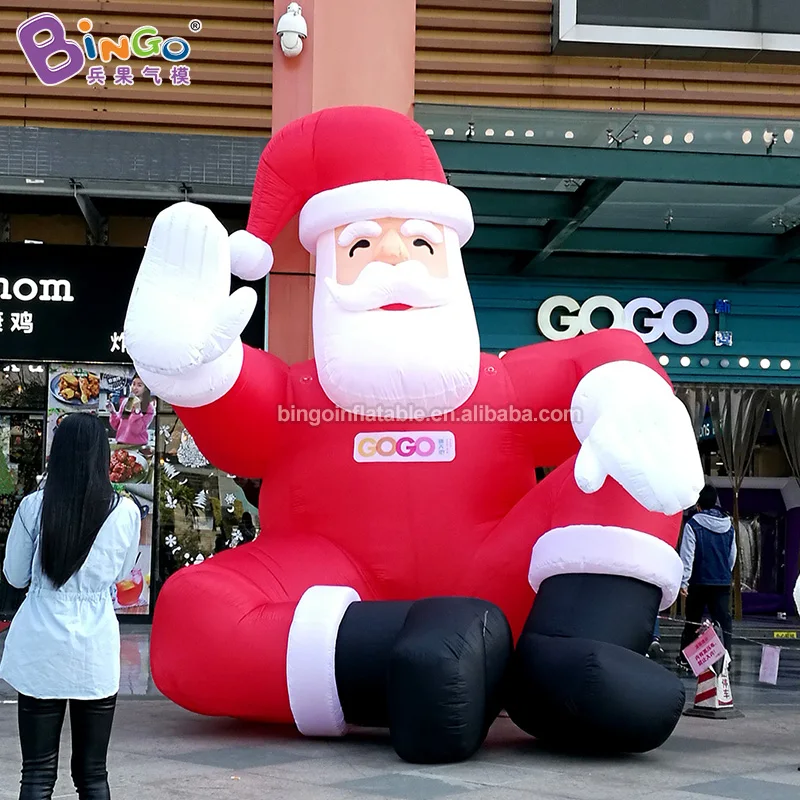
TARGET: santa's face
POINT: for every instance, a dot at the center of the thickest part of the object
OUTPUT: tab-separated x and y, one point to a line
394	327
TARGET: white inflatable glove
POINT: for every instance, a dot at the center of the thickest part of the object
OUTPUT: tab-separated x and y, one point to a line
183	327
634	430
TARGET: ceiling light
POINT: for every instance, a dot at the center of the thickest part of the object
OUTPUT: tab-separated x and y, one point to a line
685	361
490	131
647	139
667	138
529	134
663	360
689	138
704	362
429	131
509	133
449	132
764	363
744	361
788	135
767	137
785	363
747	137
724	362
569	135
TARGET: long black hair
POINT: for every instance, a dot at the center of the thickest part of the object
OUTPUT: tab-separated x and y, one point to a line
78	495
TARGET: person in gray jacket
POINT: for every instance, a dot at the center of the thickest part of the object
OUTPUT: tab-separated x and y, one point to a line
708	552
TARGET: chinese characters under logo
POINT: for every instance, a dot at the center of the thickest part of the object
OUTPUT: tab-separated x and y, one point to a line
44	36
179	75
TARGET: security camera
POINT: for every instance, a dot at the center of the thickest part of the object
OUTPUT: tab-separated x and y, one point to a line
292	29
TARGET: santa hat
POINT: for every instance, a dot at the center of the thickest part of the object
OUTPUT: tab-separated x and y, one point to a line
343	165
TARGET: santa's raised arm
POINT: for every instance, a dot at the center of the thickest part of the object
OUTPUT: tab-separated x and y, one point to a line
183	331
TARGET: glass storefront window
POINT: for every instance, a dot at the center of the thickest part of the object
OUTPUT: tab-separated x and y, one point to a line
21	454
765	528
22	386
769	459
202	510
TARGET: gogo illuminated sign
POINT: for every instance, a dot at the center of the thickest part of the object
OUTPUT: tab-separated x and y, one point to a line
382	447
579	318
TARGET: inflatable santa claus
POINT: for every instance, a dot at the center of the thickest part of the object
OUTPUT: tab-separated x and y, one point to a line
410	574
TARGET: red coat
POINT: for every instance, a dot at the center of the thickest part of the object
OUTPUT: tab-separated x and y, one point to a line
388	530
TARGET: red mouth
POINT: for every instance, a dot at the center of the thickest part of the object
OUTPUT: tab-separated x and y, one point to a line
396	307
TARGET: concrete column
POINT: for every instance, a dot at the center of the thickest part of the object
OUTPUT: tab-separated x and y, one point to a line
356	53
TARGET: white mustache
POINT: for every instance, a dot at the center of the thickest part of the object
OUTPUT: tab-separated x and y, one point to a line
381	284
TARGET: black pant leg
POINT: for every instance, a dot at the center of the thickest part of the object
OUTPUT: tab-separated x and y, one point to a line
91	721
719	607
40	724
695	606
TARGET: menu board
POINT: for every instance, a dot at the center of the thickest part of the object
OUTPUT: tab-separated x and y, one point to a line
118	397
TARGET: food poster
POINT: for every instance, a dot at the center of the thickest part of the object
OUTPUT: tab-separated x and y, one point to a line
125	406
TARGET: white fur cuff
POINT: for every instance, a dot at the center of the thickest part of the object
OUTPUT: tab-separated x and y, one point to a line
607	550
200	385
401	199
311	660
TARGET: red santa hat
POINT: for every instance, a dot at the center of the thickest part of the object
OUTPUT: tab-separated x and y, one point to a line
343	165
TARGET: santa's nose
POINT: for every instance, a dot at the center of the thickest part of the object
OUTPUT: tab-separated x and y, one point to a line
392	249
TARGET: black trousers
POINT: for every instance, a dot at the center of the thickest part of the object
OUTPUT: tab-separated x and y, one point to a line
40	724
718	601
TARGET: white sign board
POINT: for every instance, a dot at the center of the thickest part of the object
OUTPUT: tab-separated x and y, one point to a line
574	318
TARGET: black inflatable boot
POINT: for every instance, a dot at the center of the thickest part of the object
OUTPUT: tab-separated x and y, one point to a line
431	671
579	678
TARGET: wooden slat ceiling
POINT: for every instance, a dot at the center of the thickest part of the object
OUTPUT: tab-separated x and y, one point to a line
231	69
470	52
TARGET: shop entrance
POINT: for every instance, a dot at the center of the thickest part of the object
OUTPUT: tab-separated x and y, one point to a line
747	437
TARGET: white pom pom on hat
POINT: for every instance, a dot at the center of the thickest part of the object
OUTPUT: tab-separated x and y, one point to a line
251	257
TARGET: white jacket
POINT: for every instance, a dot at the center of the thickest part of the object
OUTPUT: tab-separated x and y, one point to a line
64	643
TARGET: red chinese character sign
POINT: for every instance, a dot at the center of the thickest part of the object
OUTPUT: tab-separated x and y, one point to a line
410	574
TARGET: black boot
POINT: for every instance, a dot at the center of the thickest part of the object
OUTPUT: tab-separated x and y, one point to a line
579	678
431	671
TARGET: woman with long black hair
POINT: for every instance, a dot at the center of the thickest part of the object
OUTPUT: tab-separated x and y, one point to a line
69	543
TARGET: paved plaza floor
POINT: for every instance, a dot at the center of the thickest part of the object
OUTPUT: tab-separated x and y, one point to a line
160	752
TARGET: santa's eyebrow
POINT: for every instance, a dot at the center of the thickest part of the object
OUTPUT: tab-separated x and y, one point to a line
358	230
419	227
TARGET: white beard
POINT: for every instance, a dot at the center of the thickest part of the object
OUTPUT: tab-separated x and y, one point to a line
396	364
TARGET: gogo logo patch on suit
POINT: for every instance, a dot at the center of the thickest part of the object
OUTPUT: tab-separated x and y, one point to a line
383	447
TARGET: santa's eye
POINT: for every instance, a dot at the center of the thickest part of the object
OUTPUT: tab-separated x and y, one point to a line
423	243
357	245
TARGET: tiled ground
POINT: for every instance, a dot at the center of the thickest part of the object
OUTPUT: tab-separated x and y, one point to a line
160	752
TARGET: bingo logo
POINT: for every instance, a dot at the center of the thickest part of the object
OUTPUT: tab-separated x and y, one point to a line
404	446
55	58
